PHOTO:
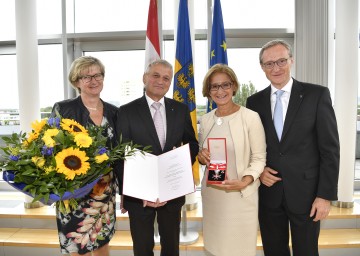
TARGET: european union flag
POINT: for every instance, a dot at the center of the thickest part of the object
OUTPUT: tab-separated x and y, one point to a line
184	88
218	53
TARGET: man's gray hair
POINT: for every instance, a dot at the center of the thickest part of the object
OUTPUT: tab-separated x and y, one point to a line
273	43
159	61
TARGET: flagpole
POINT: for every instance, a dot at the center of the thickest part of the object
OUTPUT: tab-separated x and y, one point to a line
209	28
153	51
184	91
191	199
218	47
159	7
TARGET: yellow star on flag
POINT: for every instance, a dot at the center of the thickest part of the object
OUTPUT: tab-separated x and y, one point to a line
223	45
212	54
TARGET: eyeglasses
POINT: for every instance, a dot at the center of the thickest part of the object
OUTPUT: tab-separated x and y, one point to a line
224	86
97	77
271	64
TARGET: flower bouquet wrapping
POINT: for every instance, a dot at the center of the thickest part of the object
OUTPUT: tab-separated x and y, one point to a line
60	161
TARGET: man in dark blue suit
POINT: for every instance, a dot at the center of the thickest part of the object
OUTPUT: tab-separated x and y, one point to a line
301	174
135	123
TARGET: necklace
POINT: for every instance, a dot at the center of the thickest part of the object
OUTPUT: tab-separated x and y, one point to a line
93	109
219	121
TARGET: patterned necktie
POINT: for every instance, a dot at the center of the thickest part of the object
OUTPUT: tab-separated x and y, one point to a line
278	114
159	124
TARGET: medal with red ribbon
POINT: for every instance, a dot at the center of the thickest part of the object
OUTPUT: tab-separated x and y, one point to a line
217	166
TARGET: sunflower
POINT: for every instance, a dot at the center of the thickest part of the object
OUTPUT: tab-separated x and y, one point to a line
101	158
32	136
72	126
49	169
37	126
48	137
71	162
83	140
49	142
38	161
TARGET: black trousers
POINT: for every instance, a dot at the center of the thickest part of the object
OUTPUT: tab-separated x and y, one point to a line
274	228
142	229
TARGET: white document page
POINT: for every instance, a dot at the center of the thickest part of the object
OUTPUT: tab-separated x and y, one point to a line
166	176
140	176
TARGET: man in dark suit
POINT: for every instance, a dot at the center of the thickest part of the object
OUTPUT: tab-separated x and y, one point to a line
302	169
135	123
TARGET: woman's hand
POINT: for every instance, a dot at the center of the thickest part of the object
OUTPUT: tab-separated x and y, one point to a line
236	184
122	209
204	157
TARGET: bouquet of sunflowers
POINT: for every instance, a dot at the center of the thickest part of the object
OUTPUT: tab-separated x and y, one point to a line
60	160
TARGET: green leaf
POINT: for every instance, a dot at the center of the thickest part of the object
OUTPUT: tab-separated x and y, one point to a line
44	189
30	172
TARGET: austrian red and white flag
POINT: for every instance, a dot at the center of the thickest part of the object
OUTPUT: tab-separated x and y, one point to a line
152	46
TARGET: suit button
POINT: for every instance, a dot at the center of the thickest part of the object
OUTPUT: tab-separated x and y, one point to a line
281	154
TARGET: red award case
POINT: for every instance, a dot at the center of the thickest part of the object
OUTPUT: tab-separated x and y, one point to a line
216	173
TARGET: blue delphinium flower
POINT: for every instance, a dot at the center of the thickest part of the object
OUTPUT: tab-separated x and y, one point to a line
102	150
54	121
47	151
14	158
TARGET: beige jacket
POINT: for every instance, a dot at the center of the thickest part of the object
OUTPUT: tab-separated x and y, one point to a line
249	141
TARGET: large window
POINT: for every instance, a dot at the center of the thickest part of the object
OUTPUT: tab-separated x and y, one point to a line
48	11
50	78
8	86
258	14
124	71
51	82
114	31
108	15
123	75
7	16
124	61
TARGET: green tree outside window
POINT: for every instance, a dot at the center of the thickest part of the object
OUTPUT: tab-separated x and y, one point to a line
245	90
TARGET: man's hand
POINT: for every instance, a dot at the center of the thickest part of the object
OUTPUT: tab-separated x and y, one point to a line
153	204
268	177
320	207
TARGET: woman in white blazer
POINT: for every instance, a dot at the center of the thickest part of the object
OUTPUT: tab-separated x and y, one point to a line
230	206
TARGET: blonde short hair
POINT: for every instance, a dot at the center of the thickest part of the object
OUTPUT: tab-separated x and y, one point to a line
81	64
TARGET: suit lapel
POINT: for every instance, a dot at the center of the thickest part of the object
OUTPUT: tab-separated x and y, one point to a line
268	121
296	97
145	114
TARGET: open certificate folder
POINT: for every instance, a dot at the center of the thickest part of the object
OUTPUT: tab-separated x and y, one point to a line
166	176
